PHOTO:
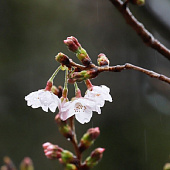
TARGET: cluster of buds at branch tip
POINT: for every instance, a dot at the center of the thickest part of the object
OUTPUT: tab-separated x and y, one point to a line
63	59
52	151
88	138
103	60
93	159
137	2
83	75
64	128
75	47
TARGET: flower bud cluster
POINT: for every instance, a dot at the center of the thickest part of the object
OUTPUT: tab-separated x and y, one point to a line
83	75
75	47
65	157
80	108
52	151
73	44
88	138
94	158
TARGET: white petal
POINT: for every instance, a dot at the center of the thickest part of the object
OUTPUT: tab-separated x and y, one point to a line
98	110
83	117
44	99
45	108
65	115
53	107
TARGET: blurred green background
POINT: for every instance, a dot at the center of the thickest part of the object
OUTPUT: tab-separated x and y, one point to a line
135	128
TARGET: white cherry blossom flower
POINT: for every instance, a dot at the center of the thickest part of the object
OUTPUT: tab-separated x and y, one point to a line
43	98
99	94
80	107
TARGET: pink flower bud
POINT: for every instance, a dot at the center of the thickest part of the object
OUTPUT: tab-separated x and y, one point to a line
94	158
52	151
88	138
102	60
72	44
45	145
63	59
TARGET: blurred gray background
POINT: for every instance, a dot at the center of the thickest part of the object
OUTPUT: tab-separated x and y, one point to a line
135	128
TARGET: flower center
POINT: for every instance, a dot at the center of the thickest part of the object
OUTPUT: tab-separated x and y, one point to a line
79	107
98	94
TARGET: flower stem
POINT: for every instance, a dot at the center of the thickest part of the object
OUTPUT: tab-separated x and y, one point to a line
88	84
66	77
54	74
74	140
77	90
65	90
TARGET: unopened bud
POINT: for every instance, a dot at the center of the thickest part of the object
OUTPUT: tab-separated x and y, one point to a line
103	60
57	91
63	59
70	167
83	57
9	165
88	138
94	158
63	127
72	44
138	2
26	164
166	166
52	151
83	75
67	156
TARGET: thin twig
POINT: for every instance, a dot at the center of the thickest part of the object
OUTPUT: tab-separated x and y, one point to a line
143	33
128	66
119	68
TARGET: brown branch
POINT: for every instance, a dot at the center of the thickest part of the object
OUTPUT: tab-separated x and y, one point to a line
128	66
144	34
119	68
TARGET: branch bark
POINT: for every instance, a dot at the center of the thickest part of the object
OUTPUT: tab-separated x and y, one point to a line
119	68
143	33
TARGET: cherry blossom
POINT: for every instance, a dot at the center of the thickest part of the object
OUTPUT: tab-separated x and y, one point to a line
99	94
80	107
43	98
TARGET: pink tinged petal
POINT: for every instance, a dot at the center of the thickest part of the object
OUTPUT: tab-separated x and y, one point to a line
49	154
45	145
66	110
66	114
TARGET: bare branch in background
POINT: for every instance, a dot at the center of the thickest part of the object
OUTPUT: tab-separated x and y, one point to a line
144	34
